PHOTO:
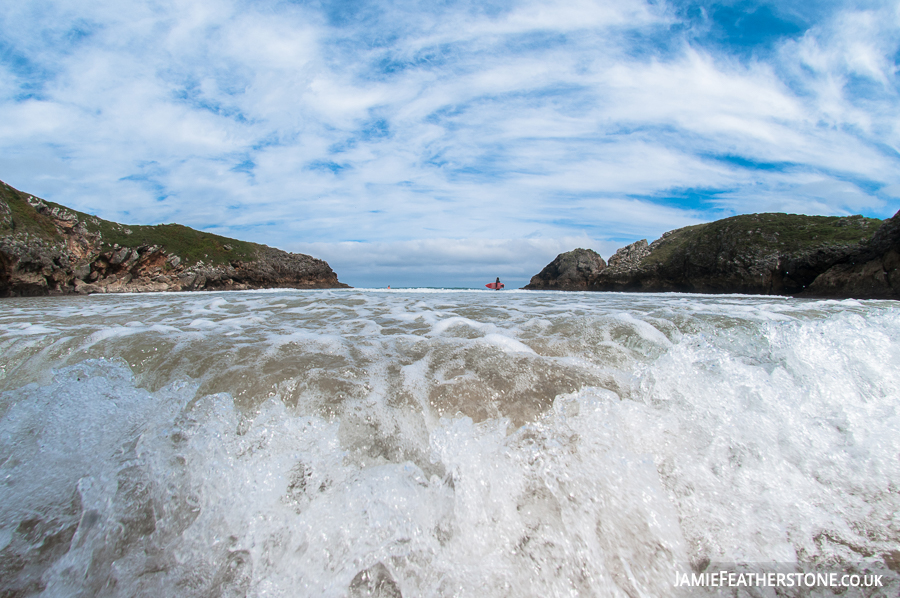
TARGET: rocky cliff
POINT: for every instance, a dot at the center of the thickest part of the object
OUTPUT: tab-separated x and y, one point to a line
757	254
48	249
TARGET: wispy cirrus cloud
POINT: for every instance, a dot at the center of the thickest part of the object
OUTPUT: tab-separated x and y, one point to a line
375	133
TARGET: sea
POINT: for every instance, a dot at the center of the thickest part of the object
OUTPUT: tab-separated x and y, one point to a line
428	442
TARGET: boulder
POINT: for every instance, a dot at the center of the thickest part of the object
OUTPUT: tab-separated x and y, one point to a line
571	271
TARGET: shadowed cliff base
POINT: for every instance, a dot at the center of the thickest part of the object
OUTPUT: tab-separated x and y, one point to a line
773	254
48	249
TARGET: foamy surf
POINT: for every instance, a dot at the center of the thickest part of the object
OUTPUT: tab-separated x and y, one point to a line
451	443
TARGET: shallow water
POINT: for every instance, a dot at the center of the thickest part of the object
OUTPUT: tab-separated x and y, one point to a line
441	443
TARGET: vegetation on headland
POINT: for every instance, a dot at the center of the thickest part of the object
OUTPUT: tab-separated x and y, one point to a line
191	245
770	232
22	218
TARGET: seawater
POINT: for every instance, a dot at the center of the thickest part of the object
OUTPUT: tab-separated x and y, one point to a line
441	443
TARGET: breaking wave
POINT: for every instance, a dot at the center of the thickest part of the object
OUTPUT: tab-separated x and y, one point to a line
452	443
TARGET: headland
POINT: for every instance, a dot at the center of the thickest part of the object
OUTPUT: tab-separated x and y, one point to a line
770	254
49	249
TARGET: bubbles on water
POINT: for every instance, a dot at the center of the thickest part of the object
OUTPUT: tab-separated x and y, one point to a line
374	582
786	439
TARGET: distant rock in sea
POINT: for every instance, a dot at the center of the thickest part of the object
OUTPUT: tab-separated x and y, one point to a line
49	249
785	254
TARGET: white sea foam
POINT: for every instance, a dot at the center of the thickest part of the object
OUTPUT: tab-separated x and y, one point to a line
440	443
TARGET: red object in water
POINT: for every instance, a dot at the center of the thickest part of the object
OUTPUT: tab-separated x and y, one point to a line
495	285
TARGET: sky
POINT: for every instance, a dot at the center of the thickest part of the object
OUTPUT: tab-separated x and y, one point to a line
442	142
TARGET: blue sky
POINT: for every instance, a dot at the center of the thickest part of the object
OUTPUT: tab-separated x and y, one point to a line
445	143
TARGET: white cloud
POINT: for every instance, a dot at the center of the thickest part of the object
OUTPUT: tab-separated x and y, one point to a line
266	121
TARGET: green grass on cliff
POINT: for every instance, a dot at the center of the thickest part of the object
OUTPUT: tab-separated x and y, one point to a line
22	218
775	233
189	244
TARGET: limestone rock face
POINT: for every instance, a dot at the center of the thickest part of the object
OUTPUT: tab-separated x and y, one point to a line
570	271
630	256
47	249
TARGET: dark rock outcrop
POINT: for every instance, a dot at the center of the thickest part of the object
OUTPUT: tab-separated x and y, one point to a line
570	271
47	249
870	272
758	254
